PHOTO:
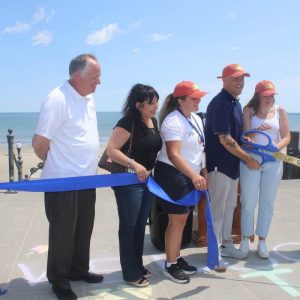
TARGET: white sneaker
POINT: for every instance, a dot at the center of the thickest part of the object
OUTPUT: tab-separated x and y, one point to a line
262	249
228	250
244	247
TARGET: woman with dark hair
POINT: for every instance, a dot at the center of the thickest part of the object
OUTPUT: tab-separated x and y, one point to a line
180	169
261	113
134	201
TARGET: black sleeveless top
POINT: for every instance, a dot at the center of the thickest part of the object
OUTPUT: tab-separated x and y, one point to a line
146	143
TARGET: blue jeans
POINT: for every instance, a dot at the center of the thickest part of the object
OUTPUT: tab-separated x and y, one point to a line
134	205
259	186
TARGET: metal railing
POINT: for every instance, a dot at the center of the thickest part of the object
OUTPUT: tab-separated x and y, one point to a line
16	160
12	159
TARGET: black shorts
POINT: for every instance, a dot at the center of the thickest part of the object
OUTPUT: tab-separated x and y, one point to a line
175	184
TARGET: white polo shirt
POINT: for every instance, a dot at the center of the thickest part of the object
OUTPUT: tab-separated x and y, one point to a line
69	121
176	127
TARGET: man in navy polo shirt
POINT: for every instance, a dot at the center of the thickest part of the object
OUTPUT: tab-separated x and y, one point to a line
223	128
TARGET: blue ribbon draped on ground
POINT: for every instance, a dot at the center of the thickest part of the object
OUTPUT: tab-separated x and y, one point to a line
3	292
121	179
192	199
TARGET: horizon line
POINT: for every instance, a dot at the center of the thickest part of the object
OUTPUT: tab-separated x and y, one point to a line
102	111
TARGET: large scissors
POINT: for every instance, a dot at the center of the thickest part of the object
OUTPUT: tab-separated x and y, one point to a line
268	152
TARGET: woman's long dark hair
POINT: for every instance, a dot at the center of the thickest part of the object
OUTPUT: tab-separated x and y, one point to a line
254	104
139	93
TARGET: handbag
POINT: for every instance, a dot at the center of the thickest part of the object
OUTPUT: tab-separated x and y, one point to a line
107	164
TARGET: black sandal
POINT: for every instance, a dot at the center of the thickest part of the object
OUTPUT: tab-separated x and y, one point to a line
142	282
146	273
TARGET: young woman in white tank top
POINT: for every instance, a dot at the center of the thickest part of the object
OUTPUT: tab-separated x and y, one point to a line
261	186
270	123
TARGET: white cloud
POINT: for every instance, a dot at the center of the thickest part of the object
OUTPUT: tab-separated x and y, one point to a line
41	15
157	37
19	27
136	50
103	35
50	16
133	25
42	38
235	48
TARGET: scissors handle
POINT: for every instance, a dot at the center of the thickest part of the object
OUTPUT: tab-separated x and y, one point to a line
259	149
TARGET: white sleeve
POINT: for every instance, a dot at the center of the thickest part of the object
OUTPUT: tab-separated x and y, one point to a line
51	117
172	129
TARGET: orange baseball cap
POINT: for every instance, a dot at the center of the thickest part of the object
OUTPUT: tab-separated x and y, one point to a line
265	88
233	70
188	88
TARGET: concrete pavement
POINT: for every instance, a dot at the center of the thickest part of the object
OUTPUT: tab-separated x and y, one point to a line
23	254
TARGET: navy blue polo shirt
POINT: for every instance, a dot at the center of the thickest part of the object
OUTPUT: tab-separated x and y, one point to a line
223	116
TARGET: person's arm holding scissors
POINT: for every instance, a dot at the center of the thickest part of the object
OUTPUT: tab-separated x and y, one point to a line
233	147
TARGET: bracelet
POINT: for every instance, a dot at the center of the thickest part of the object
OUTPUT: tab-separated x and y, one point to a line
129	162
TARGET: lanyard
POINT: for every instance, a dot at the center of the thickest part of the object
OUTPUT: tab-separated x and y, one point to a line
197	129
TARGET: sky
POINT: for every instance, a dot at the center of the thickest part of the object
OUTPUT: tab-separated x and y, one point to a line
155	42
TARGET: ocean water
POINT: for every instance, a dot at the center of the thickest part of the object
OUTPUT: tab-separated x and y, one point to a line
23	125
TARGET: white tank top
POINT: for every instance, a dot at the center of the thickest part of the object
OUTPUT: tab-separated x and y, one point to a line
273	132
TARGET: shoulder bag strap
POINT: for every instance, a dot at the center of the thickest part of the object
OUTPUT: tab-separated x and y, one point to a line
131	136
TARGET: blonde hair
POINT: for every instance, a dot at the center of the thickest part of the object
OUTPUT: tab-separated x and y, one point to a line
170	104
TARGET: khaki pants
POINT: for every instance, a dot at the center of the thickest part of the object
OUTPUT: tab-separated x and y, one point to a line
223	200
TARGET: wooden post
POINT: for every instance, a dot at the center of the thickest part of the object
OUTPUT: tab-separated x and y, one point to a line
200	228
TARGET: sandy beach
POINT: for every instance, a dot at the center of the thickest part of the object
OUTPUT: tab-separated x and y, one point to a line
29	160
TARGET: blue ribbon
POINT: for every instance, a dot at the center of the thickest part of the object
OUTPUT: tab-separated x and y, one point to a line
121	179
71	183
3	292
191	199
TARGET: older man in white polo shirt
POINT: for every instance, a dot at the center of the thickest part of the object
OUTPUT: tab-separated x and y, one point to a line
67	140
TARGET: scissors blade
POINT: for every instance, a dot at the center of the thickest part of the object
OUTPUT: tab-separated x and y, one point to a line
287	158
